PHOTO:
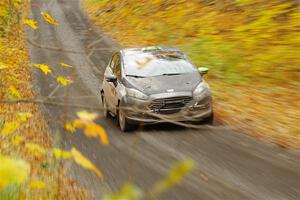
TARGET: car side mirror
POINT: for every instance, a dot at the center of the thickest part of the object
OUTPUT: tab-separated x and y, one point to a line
111	78
202	70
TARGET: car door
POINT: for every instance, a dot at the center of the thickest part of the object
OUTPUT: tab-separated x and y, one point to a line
117	85
109	87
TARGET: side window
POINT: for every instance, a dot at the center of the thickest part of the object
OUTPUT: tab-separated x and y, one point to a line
117	67
113	61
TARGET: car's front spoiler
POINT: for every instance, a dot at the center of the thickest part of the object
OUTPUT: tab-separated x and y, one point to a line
182	116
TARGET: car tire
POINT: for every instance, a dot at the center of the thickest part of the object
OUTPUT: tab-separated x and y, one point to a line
104	106
123	122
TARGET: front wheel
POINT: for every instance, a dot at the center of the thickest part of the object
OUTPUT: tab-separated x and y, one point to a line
123	122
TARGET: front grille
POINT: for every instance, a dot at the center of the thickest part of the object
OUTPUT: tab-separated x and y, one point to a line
169	105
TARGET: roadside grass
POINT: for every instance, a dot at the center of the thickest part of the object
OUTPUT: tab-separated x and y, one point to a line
251	47
21	125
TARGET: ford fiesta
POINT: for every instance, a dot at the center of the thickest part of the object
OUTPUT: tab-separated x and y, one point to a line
155	84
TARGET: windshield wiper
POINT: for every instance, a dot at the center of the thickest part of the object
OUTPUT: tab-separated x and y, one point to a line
170	74
135	76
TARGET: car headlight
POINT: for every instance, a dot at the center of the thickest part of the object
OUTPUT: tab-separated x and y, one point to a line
201	90
136	94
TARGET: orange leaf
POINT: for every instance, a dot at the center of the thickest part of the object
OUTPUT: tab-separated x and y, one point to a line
94	130
79	123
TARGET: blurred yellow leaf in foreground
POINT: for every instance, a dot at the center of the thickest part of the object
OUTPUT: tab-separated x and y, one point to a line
86	116
84	162
37	184
63	81
127	192
94	130
60	154
36	149
12	171
91	129
65	65
49	19
45	69
31	23
69	127
179	171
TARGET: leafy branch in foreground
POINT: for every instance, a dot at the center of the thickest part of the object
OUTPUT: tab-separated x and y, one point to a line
176	175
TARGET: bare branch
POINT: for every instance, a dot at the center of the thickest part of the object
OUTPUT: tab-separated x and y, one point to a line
53	48
66	50
42	101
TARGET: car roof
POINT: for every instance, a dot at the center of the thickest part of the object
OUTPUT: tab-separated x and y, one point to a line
132	51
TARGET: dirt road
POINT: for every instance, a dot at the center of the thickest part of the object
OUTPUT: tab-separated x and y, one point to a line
230	165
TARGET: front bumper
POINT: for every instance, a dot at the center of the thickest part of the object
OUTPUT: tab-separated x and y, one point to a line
139	112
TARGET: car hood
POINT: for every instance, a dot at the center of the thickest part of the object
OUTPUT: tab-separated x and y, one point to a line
164	84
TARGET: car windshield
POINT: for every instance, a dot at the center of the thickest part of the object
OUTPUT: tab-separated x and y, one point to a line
158	63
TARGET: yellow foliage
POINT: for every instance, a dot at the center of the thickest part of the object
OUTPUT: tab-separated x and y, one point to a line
65	65
91	129
177	173
31	23
12	171
38	184
49	19
36	149
60	154
127	192
3	66
69	127
13	93
238	40
16	140
86	116
23	117
10	128
84	162
94	130
63	81
3	11
45	69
